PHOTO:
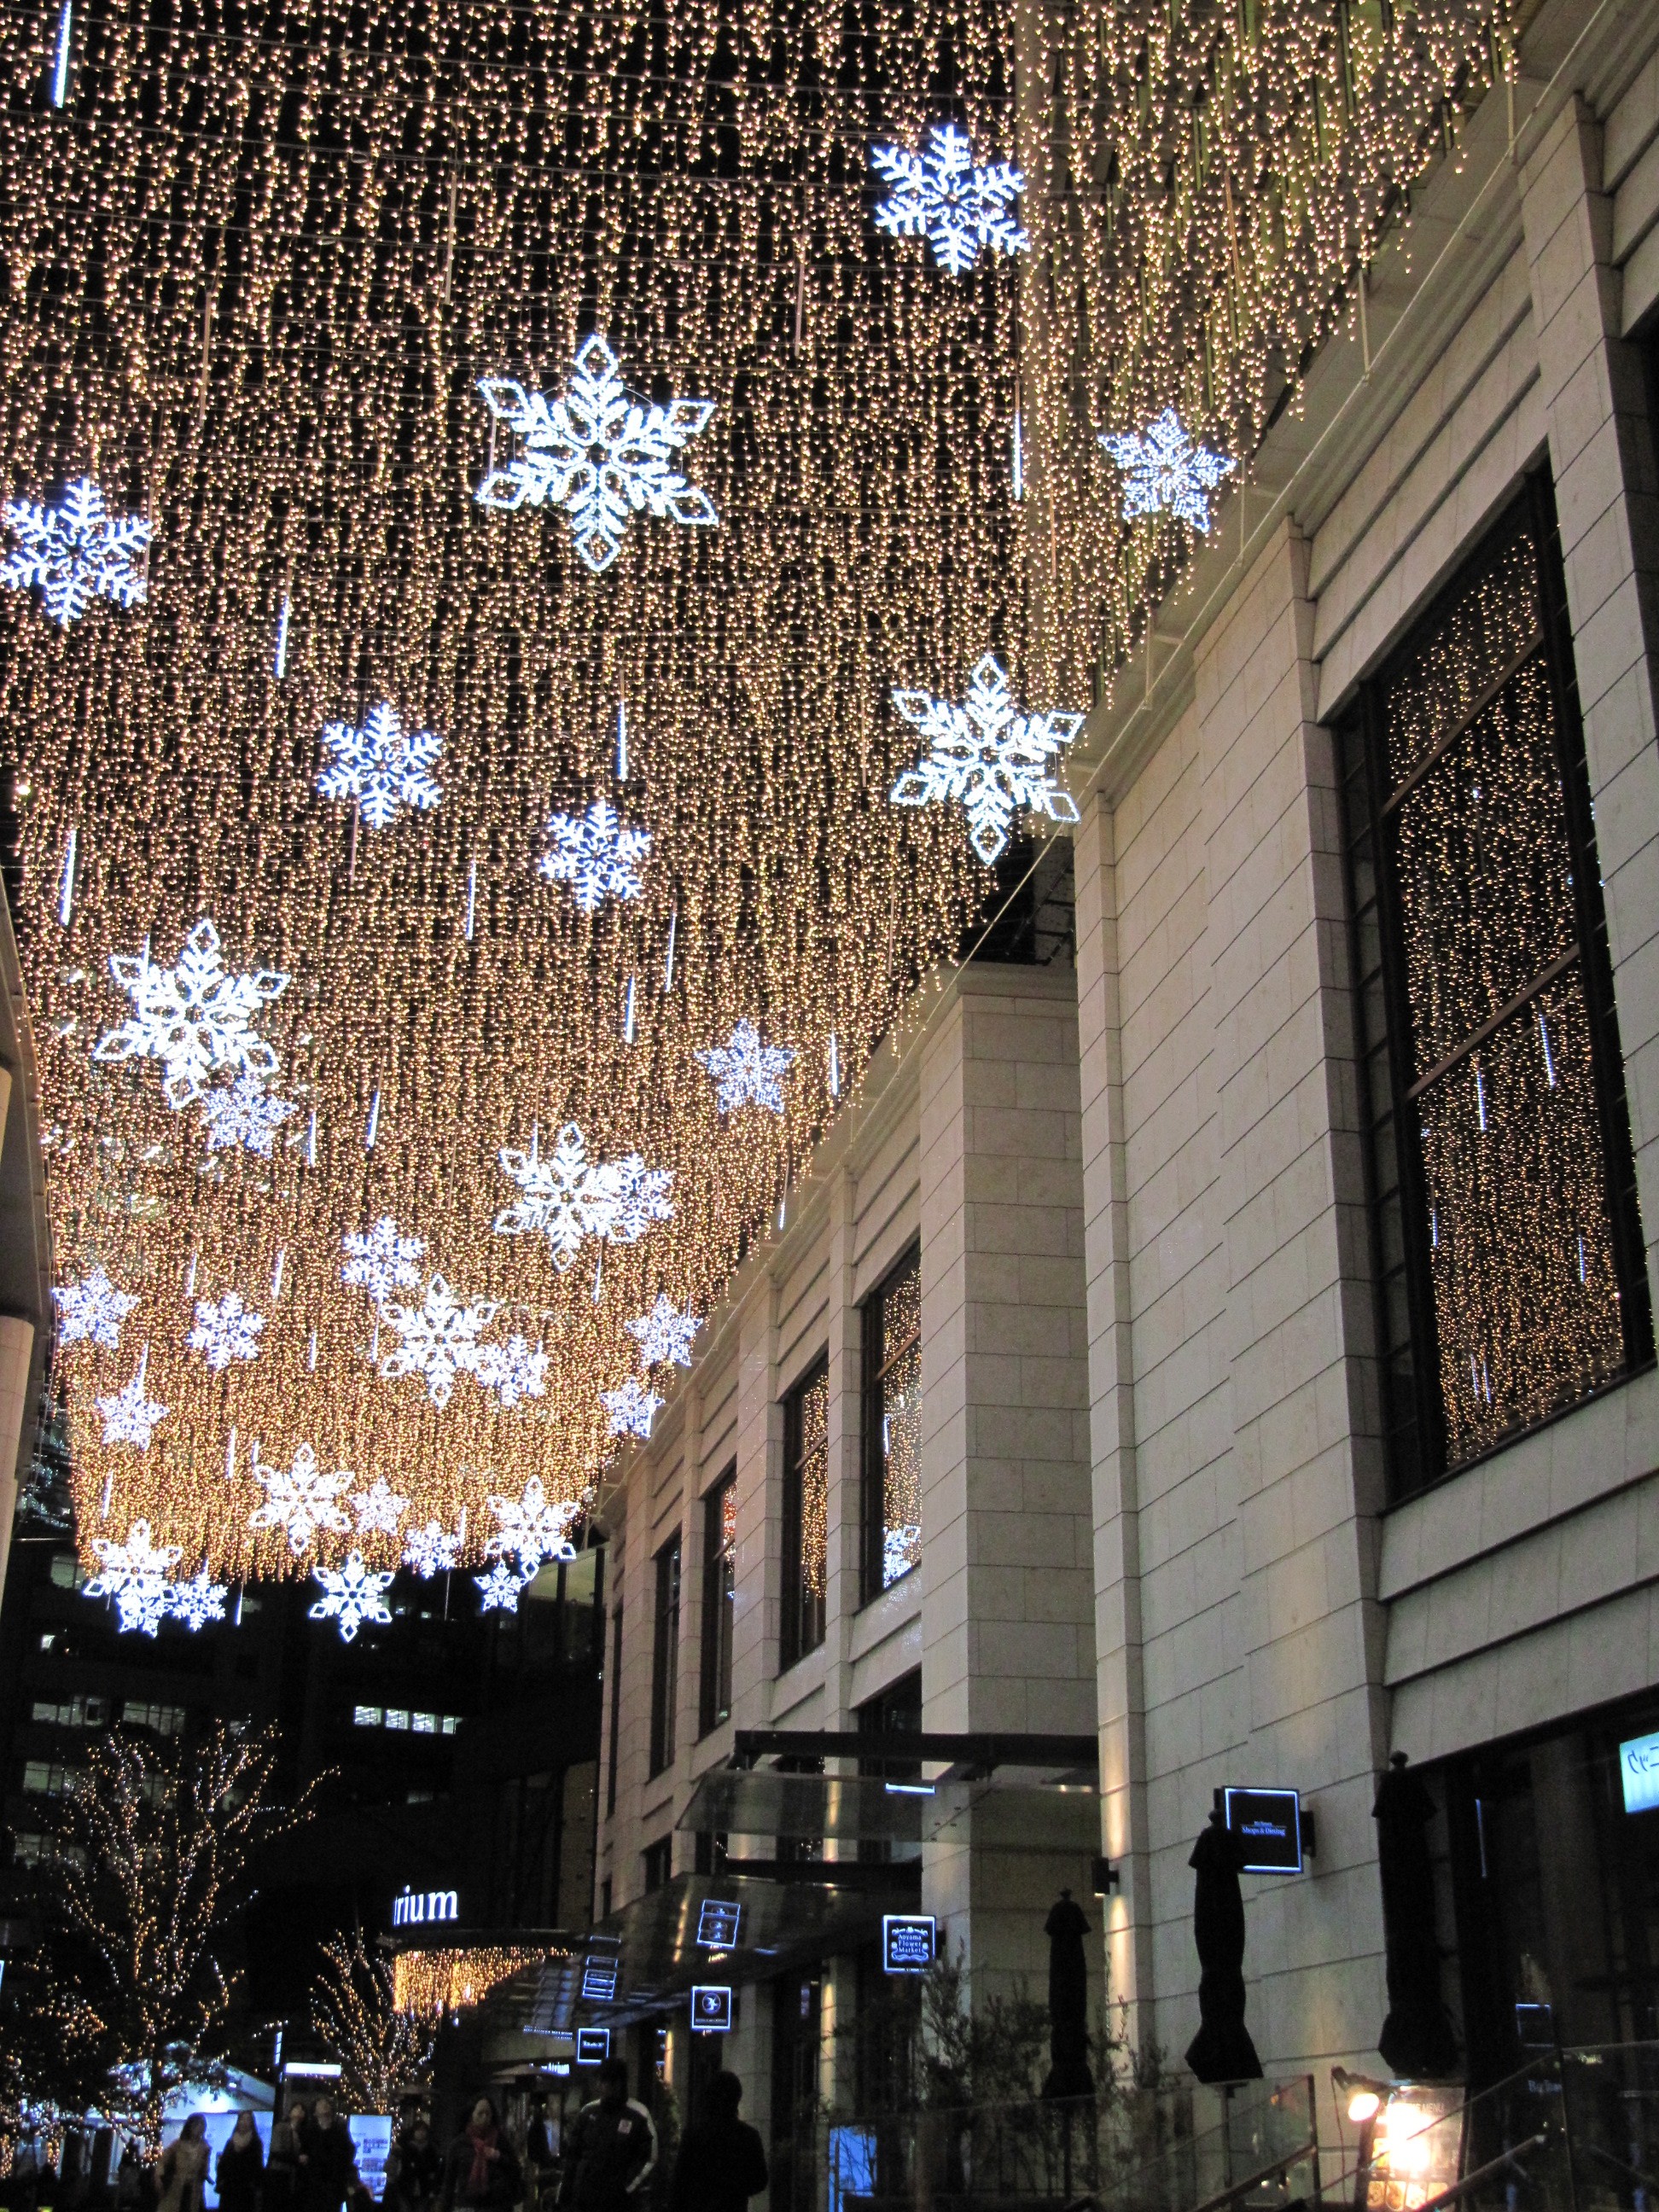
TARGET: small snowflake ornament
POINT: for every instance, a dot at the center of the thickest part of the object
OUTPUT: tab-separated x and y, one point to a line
244	1113
134	1573
596	452
197	1602
76	552
430	1550
438	1340
513	1371
380	1261
532	1528
130	1417
1165	473
92	1310
194	1018
987	756
942	196
641	1197
746	1072
378	1507
351	1595
382	766
663	1334
596	853
225	1331
300	1499
499	1590
632	1409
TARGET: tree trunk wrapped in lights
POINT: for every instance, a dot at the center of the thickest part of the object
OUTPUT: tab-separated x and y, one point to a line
353	2009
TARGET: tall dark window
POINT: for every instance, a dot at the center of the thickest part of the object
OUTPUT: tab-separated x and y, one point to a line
657	1864
892	1427
1508	1247
805	1513
615	1709
720	1561
664	1655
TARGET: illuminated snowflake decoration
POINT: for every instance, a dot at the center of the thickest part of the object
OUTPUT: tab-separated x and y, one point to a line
244	1113
498	1590
380	1261
568	1197
194	1018
225	1331
1165	472
532	1528
134	1573
596	854
382	766
900	1549
300	1499
430	1550
130	1417
987	756
663	1334
632	1409
378	1507
746	1072
76	552
941	197
596	452
438	1340
352	1595
197	1602
92	1310
513	1371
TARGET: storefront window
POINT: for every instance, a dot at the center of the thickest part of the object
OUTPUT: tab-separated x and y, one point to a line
719	1556
892	1428
805	1514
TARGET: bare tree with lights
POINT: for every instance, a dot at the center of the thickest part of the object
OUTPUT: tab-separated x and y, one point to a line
354	2011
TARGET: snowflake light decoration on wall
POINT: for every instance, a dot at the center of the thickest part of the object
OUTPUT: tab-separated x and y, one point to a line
1165	473
513	1371
194	1018
567	1197
596	452
378	1507
76	552
987	755
92	1310
438	1339
746	1072
430	1550
380	1261
663	1334
382	766
532	1528
499	1590
244	1113
942	196
596	853
197	1602
300	1499
352	1595
225	1331
632	1409
134	1573
130	1417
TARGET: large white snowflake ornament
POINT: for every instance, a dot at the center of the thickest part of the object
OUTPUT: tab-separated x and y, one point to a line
130	1417
438	1340
1165	473
532	1528
567	1197
77	551
596	853
513	1371
942	196
134	1573
596	452
430	1550
663	1334
92	1310
382	766
746	1072
378	1507
194	1018
381	1260
632	1409
351	1595
299	1500
225	1331
499	1590
197	1600
244	1113
987	755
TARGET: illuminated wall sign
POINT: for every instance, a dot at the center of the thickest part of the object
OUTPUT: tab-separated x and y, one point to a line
711	2008
593	2046
416	1907
717	1924
599	1978
1270	1823
1638	1770
907	1942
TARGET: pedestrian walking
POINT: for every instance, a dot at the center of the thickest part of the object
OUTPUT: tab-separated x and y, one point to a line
328	2160
241	2170
611	2148
721	2162
415	2170
481	2172
183	2169
284	2164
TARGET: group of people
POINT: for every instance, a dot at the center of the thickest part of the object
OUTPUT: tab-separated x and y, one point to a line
312	2165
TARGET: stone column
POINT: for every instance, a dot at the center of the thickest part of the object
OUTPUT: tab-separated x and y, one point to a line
16	1350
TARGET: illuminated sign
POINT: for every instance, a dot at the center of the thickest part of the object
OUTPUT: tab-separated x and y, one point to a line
1269	1822
599	1978
907	1942
416	1907
1638	1770
717	1924
593	2046
711	2008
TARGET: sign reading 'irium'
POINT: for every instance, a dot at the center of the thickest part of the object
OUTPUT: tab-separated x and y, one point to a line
416	1907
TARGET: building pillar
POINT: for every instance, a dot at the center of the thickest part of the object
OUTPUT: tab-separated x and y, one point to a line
17	1351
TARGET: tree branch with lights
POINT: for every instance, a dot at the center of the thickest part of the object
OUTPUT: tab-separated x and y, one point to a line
354	2011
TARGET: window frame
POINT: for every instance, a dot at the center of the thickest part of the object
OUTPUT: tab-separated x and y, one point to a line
719	1576
803	1616
665	1656
877	1362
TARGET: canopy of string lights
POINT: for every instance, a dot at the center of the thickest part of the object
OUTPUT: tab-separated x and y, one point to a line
478	475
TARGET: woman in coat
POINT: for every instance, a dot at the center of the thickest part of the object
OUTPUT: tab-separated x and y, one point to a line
184	2168
242	2165
481	2172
